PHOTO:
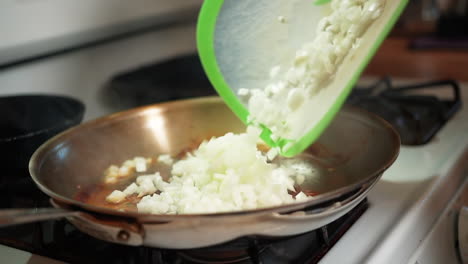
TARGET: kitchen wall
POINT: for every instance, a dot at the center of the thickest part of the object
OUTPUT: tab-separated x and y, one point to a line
429	41
33	27
84	73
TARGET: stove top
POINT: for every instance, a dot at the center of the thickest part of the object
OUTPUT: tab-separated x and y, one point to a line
417	117
60	240
345	239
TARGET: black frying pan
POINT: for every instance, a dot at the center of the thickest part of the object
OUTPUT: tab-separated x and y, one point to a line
26	122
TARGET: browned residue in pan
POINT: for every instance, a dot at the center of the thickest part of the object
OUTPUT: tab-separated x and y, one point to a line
97	194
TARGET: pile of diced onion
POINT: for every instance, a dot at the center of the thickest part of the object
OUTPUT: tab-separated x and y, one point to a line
224	174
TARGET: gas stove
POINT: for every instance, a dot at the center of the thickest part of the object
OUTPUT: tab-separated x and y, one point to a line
417	117
419	192
414	201
59	240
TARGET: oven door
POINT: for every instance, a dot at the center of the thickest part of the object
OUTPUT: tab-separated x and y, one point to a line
447	242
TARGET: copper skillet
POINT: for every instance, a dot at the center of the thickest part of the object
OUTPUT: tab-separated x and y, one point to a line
354	152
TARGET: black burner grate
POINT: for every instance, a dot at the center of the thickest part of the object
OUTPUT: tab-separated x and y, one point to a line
417	116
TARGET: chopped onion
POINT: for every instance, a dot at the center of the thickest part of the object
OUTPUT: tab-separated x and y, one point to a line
227	173
116	197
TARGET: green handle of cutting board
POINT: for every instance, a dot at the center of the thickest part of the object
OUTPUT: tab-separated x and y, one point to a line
205	43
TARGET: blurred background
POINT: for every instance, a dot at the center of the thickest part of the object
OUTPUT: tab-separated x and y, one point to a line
430	40
92	50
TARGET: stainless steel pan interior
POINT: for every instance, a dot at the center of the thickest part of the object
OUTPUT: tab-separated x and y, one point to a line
355	149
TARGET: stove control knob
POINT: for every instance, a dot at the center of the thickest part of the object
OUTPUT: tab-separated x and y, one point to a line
463	234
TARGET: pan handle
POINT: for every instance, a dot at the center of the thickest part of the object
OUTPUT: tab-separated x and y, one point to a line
9	217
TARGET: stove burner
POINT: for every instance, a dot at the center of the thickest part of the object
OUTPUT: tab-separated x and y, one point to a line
416	116
239	251
176	78
304	248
